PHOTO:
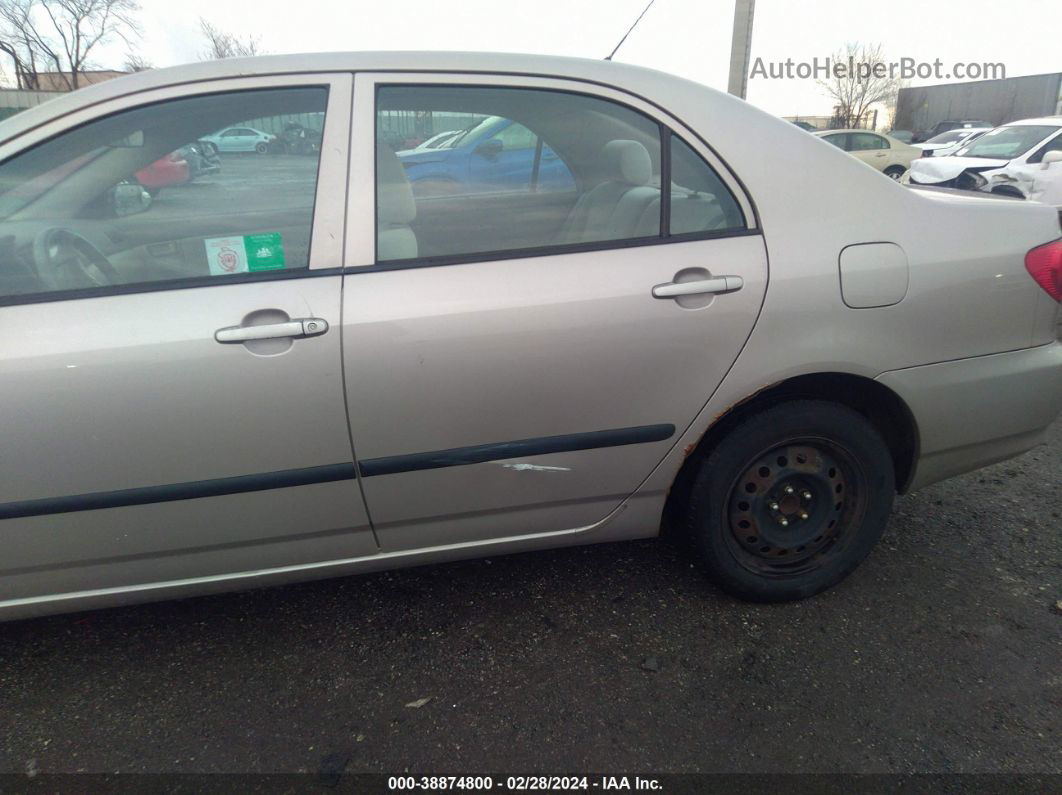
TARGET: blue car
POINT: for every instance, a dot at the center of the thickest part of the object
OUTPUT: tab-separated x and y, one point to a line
495	155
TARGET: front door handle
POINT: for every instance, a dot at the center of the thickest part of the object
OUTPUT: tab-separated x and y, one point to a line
305	327
717	284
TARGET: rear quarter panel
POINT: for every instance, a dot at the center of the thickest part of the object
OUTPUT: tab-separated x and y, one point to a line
969	294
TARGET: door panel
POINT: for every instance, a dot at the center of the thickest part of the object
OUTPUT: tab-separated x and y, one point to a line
139	447
447	358
133	392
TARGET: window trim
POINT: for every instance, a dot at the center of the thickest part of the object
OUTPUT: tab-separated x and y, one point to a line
191	283
551	250
664	133
327	232
361	218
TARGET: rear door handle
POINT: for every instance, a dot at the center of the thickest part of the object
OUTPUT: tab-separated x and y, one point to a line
717	284
305	327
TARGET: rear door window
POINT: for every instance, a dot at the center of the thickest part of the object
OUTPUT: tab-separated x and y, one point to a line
533	170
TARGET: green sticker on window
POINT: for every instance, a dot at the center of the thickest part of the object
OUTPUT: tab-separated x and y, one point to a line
264	252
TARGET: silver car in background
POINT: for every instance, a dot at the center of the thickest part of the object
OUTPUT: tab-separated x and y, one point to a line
300	370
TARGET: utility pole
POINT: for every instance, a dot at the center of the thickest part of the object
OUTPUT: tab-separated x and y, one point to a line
741	47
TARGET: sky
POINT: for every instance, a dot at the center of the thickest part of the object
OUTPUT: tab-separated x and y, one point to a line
690	38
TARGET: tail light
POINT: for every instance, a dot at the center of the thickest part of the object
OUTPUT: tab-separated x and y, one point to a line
1044	264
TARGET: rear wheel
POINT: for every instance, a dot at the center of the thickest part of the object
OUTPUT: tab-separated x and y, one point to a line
791	501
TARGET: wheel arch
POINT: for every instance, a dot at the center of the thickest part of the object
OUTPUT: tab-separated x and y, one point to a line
1008	190
885	410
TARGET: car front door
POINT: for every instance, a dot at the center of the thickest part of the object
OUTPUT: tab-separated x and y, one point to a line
1041	183
504	381
229	141
171	373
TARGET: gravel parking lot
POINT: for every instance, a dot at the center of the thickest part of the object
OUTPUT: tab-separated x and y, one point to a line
940	654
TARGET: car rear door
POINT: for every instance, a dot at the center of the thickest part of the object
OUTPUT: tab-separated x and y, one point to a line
182	417
871	149
529	390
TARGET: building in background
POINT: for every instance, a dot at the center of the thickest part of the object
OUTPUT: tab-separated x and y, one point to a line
52	84
13	100
995	101
869	121
60	81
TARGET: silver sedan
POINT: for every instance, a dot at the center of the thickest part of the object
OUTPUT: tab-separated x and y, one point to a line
620	308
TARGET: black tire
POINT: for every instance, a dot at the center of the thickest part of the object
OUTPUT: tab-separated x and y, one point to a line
261	148
895	172
842	480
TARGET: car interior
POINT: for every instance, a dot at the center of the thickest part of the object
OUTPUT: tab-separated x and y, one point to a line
59	230
612	152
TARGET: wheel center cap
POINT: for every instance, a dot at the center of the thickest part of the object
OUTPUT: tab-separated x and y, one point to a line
789	504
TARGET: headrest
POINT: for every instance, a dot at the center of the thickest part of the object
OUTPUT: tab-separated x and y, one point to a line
627	161
394	196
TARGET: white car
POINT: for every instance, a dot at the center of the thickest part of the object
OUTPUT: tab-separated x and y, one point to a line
240	139
948	143
1021	159
879	151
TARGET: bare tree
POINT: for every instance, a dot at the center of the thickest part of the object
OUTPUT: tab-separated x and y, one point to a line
61	34
135	62
18	43
222	44
860	78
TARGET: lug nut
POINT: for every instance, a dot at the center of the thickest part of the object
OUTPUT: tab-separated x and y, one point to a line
773	506
789	489
806	495
803	515
783	522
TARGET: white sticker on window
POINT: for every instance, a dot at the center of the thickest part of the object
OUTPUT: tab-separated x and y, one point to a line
226	255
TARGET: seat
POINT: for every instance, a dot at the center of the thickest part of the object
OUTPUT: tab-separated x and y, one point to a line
395	208
613	209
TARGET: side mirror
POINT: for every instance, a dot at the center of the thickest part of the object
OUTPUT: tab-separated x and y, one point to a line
1052	157
490	149
129	198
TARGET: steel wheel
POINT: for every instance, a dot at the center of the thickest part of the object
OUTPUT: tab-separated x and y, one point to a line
788	511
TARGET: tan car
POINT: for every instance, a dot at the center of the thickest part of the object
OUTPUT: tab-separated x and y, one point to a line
888	155
623	308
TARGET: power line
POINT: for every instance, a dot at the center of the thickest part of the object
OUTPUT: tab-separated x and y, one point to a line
628	33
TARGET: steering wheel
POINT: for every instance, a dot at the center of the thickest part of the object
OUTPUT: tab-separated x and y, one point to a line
67	261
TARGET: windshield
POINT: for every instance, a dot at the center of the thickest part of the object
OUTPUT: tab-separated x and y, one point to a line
1006	143
949	137
439	140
